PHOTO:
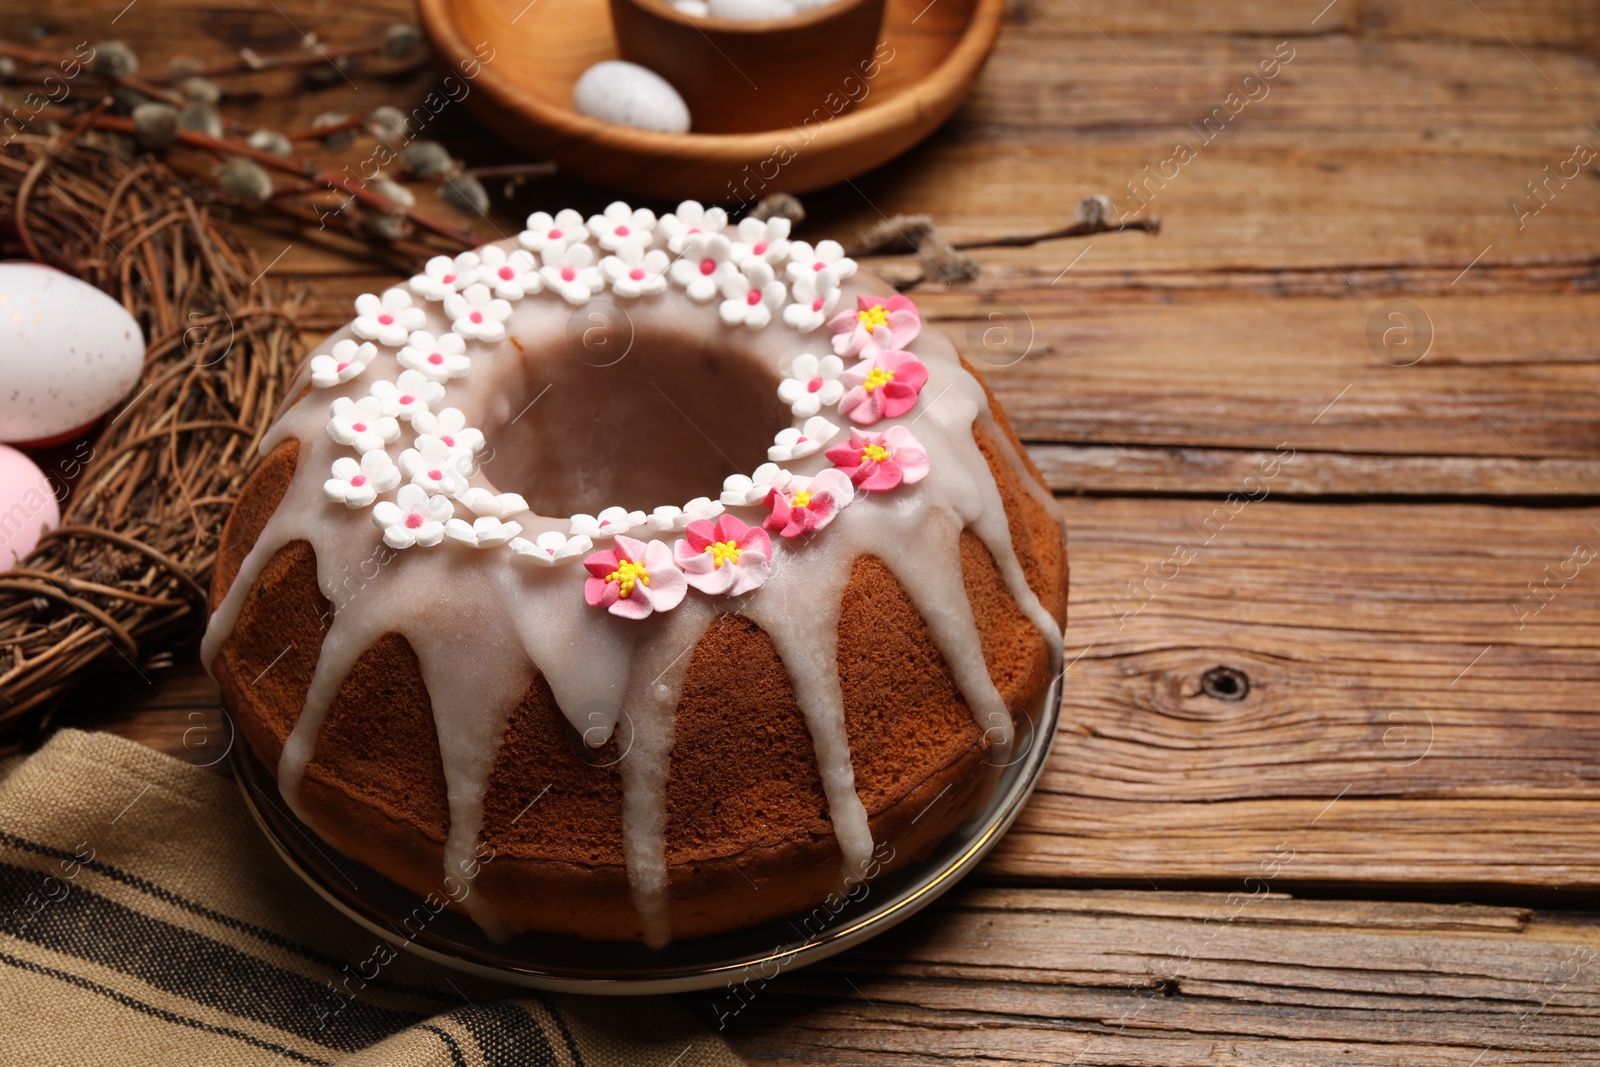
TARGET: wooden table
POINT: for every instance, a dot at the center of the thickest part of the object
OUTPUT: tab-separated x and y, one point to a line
1328	779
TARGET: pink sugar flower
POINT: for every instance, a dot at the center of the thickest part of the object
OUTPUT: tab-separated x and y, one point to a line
876	462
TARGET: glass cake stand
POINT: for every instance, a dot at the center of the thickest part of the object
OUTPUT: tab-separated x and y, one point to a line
567	964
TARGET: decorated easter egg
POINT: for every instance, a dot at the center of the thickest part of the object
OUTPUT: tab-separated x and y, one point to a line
27	506
627	94
68	354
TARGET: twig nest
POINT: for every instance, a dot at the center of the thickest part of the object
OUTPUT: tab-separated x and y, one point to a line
68	354
115	59
264	140
401	39
751	10
466	194
246	180
627	94
155	125
28	502
426	159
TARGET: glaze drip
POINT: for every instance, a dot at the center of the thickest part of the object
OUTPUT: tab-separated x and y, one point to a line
483	627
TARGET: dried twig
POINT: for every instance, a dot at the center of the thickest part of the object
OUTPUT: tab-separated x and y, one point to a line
943	260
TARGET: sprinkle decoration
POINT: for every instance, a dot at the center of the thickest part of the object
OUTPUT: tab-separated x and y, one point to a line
426	490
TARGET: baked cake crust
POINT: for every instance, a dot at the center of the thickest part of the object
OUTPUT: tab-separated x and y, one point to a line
746	828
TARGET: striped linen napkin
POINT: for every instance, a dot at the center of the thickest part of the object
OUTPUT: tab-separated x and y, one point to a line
144	920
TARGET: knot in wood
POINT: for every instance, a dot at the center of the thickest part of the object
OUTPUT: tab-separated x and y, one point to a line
1225	683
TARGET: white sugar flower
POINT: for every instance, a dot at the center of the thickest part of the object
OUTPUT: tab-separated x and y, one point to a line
450	427
763	239
486	531
622	225
546	232
570	271
436	467
827	255
635	272
812	383
412	518
511	276
608	523
744	490
751	295
690	220
435	358
409	395
443	276
792	443
668	518
387	319
478	315
706	257
347	360
815	295
551	547
481	501
357	484
362	423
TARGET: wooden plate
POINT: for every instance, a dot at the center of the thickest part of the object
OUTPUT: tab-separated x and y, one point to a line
932	53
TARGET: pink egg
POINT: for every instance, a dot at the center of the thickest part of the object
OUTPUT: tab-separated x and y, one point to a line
68	354
27	506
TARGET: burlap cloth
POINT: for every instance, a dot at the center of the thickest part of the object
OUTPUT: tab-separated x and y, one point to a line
144	920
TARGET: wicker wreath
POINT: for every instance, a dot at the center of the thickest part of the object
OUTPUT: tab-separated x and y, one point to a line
125	576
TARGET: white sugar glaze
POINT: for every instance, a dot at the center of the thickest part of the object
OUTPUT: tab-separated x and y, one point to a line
482	623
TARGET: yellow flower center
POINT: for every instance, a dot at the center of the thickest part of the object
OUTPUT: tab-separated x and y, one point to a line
627	573
801	499
876	377
873	317
877	453
724	552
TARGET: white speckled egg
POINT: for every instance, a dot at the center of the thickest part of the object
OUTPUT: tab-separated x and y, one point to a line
68	354
751	10
630	95
27	506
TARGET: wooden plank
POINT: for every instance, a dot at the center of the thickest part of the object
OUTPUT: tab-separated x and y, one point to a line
1563	25
1110	469
1060	84
1506	376
173	709
1423	683
1019	976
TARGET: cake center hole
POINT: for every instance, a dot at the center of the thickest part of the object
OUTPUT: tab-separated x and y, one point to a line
586	428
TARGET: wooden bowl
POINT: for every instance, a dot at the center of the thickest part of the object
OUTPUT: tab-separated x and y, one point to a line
793	67
524	61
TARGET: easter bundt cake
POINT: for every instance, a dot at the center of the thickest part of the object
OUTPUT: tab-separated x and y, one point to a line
638	578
